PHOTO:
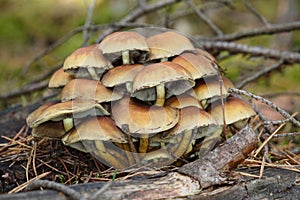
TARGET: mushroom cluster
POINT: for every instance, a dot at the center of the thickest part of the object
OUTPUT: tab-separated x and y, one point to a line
139	99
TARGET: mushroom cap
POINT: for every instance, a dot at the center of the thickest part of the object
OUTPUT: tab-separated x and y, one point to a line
197	64
192	118
163	72
59	78
49	129
89	89
86	57
235	110
168	44
123	41
58	111
209	87
141	118
121	74
95	128
183	100
206	54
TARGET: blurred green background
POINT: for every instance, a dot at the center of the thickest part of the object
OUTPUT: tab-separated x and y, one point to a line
28	27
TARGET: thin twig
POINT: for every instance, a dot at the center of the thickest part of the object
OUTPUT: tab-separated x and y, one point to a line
88	21
73	194
293	134
204	18
267	102
288	56
260	74
255	13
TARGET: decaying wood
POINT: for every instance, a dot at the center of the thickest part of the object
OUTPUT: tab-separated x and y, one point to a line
275	184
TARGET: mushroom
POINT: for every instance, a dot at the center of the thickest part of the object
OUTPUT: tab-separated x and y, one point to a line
209	88
158	158
59	79
97	135
89	89
168	44
183	100
193	123
155	77
121	75
87	62
235	110
198	65
206	54
141	119
65	111
123	44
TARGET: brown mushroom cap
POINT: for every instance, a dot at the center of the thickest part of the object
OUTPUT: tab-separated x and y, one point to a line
235	110
183	100
59	79
96	128
206	54
58	111
141	118
210	87
122	41
121	75
83	59
192	118
176	79
168	44
197	64
89	89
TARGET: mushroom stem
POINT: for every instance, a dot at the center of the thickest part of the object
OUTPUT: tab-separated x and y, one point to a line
128	153
144	143
125	57
128	86
160	94
93	73
107	157
184	143
68	124
132	149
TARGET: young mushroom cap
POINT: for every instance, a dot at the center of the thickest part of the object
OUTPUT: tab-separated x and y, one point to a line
176	79
59	111
209	87
95	128
121	74
183	100
235	110
198	65
87	62
59	79
141	118
122	41
168	44
89	89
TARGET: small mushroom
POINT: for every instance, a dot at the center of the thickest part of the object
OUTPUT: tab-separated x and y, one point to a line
158	158
158	76
89	89
97	135
49	130
140	119
193	123
235	110
59	79
65	111
209	88
123	44
167	44
121	75
198	65
87	62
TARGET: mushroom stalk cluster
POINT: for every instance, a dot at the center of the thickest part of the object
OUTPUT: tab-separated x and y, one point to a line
136	99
